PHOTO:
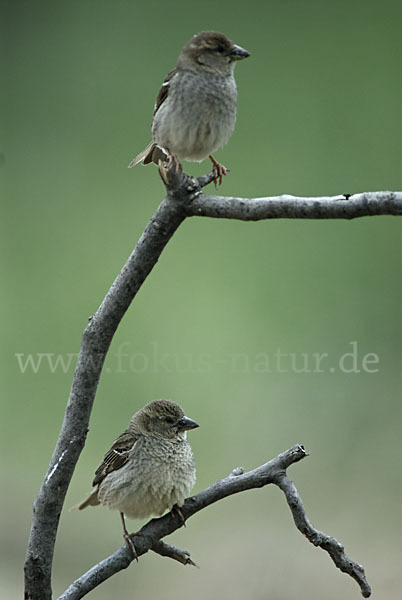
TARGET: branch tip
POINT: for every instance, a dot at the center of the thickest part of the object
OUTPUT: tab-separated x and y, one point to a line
182	556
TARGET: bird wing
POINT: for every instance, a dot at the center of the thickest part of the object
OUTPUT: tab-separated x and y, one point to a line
116	457
164	91
153	152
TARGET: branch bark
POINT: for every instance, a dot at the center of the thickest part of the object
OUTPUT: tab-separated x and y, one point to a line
184	199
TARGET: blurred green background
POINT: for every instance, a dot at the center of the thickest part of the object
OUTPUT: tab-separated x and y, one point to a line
319	113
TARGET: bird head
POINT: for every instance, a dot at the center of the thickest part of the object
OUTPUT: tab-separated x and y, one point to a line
211	51
163	418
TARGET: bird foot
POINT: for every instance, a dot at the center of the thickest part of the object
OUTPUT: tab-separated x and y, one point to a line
176	511
218	169
169	165
173	162
129	538
130	545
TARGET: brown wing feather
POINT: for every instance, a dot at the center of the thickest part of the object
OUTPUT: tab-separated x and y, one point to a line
153	152
164	91
116	457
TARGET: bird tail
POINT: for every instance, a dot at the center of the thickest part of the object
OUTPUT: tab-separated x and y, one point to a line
152	153
142	156
92	500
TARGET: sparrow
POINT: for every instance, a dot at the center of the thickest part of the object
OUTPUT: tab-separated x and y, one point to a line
195	110
149	468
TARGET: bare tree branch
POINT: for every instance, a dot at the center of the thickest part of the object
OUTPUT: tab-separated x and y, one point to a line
273	472
344	206
184	198
324	541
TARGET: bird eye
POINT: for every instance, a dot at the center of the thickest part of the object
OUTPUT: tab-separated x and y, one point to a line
220	49
170	420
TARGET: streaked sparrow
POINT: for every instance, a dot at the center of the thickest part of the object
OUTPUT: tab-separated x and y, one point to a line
195	110
150	466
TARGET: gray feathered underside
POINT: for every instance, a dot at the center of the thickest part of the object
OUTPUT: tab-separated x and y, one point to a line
116	457
153	152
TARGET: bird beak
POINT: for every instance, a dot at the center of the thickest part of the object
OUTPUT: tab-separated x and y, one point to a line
238	52
185	423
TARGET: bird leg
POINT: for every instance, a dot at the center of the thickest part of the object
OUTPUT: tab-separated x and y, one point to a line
127	538
173	160
176	510
171	164
218	169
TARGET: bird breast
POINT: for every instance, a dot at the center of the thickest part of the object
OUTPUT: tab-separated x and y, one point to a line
198	115
159	474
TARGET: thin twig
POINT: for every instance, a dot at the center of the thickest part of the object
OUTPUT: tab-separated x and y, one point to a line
318	538
164	549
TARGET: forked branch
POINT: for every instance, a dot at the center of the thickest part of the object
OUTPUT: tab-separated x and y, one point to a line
273	472
184	199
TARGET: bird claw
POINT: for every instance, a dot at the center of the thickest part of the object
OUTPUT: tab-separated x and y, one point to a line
127	538
130	545
218	169
169	166
176	510
173	162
